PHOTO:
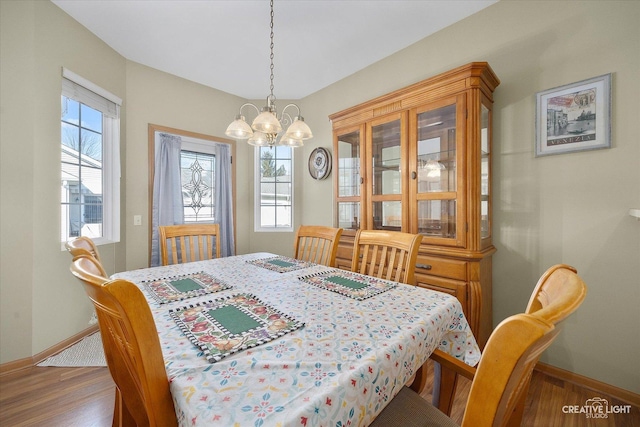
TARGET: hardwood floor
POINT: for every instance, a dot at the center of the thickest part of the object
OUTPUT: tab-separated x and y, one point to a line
546	398
83	397
51	396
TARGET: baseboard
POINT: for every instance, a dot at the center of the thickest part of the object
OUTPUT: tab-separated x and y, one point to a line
591	384
16	365
27	362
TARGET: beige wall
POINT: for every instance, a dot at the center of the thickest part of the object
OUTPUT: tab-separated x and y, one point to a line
40	303
568	208
162	99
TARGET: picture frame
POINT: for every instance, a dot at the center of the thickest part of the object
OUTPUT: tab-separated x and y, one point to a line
574	117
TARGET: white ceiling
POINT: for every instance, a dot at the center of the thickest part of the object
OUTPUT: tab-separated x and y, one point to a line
224	44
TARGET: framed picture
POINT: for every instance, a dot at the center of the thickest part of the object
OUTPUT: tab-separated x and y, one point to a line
574	117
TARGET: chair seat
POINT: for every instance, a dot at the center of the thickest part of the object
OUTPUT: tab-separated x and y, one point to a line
409	409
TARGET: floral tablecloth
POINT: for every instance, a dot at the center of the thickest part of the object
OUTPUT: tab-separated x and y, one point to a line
340	369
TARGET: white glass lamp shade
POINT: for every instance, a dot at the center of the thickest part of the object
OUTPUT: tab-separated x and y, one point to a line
258	139
291	142
299	130
239	129
266	122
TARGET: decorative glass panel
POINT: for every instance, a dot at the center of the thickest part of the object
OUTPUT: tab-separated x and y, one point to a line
437	150
198	186
349	215
485	183
385	147
349	164
387	215
437	218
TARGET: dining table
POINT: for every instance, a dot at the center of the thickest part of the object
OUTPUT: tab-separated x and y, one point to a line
266	340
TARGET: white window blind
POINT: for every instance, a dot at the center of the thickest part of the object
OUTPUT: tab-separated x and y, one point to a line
86	92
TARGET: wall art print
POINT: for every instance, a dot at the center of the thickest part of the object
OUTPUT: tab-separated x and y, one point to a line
574	117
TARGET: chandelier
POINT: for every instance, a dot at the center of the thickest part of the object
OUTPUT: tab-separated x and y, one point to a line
267	128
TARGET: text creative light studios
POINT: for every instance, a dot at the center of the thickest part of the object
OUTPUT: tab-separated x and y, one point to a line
596	407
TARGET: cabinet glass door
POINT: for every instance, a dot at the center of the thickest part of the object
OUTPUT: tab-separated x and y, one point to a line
386	179
436	173
349	181
485	166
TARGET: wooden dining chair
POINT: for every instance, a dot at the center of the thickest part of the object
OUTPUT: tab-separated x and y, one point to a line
189	242
132	348
316	243
501	380
84	245
389	255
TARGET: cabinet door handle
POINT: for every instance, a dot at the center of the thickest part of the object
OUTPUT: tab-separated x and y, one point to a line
361	180
414	175
424	266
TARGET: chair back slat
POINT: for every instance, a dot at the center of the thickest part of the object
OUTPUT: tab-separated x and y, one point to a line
318	244
189	242
389	255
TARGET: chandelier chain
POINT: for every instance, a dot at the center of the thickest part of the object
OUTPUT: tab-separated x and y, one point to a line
271	56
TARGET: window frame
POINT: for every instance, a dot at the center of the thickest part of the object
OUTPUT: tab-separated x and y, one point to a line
85	92
257	211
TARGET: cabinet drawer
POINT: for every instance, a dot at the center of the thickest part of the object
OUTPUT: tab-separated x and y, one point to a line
441	267
452	287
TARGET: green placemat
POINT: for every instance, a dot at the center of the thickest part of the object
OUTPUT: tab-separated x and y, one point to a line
346	282
182	287
353	285
281	264
233	319
185	285
228	325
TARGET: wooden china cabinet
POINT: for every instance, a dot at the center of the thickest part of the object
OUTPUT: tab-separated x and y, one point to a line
418	160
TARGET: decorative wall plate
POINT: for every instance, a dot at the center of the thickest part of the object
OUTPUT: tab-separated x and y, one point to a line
320	163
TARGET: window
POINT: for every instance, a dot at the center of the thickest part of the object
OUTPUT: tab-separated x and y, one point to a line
90	161
197	174
274	189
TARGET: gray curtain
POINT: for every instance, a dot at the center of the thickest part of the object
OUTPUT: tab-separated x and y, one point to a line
168	206
224	201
